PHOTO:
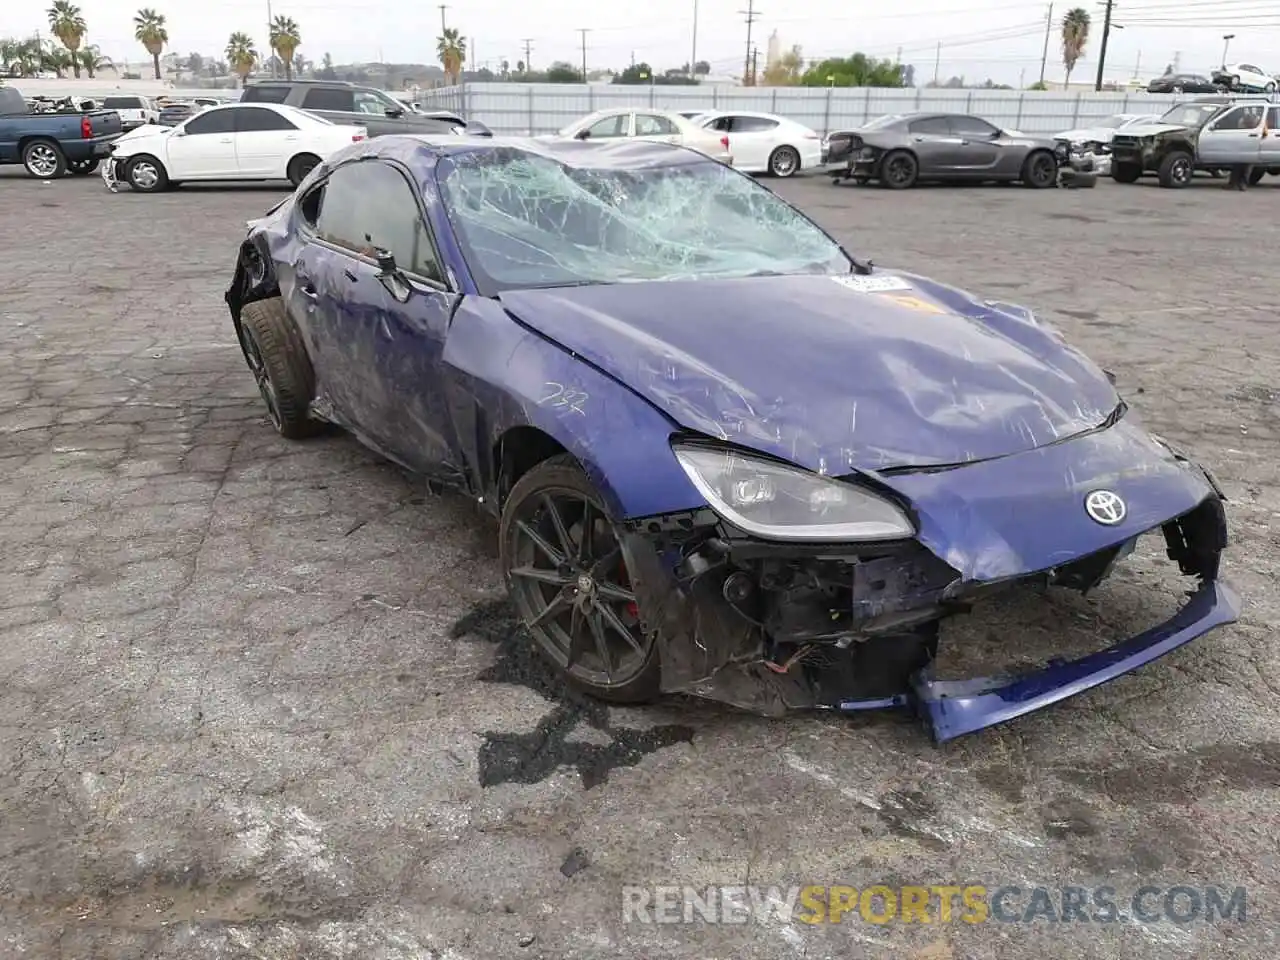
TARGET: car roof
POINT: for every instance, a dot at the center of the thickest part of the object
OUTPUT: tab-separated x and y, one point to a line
428	149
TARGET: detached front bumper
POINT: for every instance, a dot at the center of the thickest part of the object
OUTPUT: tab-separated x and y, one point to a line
956	707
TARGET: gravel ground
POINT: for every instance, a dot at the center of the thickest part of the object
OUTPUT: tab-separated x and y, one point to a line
260	699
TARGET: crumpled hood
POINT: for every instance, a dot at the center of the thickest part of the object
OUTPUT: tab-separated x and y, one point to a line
1152	129
1088	134
828	373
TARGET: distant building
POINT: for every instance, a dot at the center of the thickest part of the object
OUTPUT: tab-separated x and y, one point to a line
773	55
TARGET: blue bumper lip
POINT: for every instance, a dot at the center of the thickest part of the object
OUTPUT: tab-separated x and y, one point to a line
957	707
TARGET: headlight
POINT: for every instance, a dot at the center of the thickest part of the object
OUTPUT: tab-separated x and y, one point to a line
866	153
778	502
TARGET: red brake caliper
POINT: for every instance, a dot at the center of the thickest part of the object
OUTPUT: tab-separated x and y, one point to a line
624	580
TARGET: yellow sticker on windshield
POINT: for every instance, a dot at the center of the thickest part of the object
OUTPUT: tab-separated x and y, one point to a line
916	303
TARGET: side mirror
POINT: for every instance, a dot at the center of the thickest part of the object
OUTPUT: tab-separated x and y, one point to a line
582	135
395	113
386	262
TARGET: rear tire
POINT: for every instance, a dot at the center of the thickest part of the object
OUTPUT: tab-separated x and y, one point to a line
899	170
44	159
300	166
1176	169
1126	172
280	365
1255	177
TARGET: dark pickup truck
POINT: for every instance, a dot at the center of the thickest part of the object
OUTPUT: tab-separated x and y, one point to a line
51	144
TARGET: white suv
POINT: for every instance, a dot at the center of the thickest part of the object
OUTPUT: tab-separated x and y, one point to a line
134	111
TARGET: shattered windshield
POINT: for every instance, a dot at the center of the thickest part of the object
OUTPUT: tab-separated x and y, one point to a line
1191	114
526	220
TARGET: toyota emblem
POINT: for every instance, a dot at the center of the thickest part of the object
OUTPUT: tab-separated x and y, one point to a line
1105	507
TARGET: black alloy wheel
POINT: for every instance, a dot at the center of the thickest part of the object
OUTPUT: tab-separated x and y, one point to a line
568	575
899	170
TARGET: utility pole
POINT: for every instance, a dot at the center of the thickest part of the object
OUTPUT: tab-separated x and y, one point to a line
1102	51
271	53
1044	57
693	53
1226	44
755	65
752	14
1177	60
584	31
528	46
1137	69
443	8
937	64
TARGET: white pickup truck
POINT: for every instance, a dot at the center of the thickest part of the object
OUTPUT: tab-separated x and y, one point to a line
134	111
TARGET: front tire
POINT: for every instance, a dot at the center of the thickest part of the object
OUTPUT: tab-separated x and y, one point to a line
899	170
44	159
145	174
1039	170
784	162
1176	169
300	166
280	366
570	579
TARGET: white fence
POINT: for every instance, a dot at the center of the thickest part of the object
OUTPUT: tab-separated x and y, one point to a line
534	108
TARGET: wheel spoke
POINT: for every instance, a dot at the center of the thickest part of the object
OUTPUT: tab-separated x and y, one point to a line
611	619
575	636
602	643
611	591
585	537
549	505
538	541
542	575
606	564
551	611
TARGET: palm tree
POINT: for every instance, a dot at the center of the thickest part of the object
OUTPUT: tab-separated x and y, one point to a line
55	60
92	60
285	39
301	65
69	27
241	55
1075	34
452	49
149	30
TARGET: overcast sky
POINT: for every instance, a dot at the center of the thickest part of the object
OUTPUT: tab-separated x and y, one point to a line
1000	39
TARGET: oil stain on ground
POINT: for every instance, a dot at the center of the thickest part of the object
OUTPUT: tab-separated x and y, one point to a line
532	757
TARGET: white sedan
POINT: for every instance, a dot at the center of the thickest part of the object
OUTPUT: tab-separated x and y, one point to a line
1245	77
661	126
260	141
765	143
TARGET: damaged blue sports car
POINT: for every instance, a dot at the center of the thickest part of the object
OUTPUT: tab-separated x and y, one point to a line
728	458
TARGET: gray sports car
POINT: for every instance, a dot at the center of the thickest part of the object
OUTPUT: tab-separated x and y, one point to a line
903	149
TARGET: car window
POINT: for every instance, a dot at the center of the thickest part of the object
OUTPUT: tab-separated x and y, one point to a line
261	94
1250	68
972	127
931	125
122	103
615	126
371	103
368	204
649	125
255	119
211	121
721	124
1273	118
329	98
753	124
1240	118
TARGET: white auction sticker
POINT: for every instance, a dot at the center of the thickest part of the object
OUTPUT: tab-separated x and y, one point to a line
873	284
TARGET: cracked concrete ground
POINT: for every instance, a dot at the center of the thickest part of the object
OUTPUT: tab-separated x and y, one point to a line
261	699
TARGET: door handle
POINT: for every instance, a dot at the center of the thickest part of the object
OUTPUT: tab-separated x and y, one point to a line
964	143
305	286
350	275
291	137
226	140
